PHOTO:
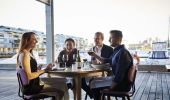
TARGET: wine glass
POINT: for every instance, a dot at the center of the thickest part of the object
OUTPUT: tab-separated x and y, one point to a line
90	52
54	64
65	59
84	62
74	58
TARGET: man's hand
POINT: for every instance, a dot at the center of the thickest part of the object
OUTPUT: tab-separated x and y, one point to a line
101	60
112	87
91	53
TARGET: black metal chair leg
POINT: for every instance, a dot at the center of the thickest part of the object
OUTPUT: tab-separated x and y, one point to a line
108	97
86	97
53	98
123	98
128	98
103	97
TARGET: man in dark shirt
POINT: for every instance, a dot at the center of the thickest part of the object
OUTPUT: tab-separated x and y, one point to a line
100	48
120	61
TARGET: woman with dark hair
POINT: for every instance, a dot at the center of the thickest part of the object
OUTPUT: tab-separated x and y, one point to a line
68	51
27	61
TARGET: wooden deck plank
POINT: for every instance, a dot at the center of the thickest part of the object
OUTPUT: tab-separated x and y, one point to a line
12	97
147	88
152	92
4	89
159	87
138	82
8	93
141	88
165	87
168	83
138	79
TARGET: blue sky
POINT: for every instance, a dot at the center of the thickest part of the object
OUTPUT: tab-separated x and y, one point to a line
138	19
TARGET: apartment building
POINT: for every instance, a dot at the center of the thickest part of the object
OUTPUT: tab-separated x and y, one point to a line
10	38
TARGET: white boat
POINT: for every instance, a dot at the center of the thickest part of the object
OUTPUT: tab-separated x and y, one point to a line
168	49
158	58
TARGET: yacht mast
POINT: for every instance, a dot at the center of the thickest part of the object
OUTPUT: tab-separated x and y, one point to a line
168	32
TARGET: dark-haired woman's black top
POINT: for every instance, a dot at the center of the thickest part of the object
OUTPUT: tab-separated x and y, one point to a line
34	86
70	57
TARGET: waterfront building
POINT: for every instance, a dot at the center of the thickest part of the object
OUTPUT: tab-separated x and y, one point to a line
10	38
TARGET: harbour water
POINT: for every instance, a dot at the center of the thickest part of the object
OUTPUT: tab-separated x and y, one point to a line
10	63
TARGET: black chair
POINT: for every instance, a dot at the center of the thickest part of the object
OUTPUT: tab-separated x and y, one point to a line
131	76
109	73
22	80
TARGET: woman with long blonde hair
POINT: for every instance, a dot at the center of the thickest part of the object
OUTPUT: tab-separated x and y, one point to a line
27	61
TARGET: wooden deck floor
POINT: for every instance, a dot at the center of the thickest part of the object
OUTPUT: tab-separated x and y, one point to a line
149	86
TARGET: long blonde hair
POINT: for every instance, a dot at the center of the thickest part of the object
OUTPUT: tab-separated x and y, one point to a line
24	43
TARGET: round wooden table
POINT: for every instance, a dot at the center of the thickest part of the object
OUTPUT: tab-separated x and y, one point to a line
77	77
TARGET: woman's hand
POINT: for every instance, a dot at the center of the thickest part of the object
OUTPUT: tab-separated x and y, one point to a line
49	67
39	66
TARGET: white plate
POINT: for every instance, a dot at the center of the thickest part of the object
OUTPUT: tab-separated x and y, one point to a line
58	69
101	66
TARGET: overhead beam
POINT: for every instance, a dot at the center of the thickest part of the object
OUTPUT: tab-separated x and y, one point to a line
47	2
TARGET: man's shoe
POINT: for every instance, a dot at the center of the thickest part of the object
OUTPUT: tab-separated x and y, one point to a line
70	86
90	93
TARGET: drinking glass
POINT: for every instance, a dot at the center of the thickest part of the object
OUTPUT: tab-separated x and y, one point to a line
90	52
74	66
65	59
57	65
84	62
74	58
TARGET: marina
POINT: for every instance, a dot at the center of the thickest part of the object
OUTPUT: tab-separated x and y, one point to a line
61	44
